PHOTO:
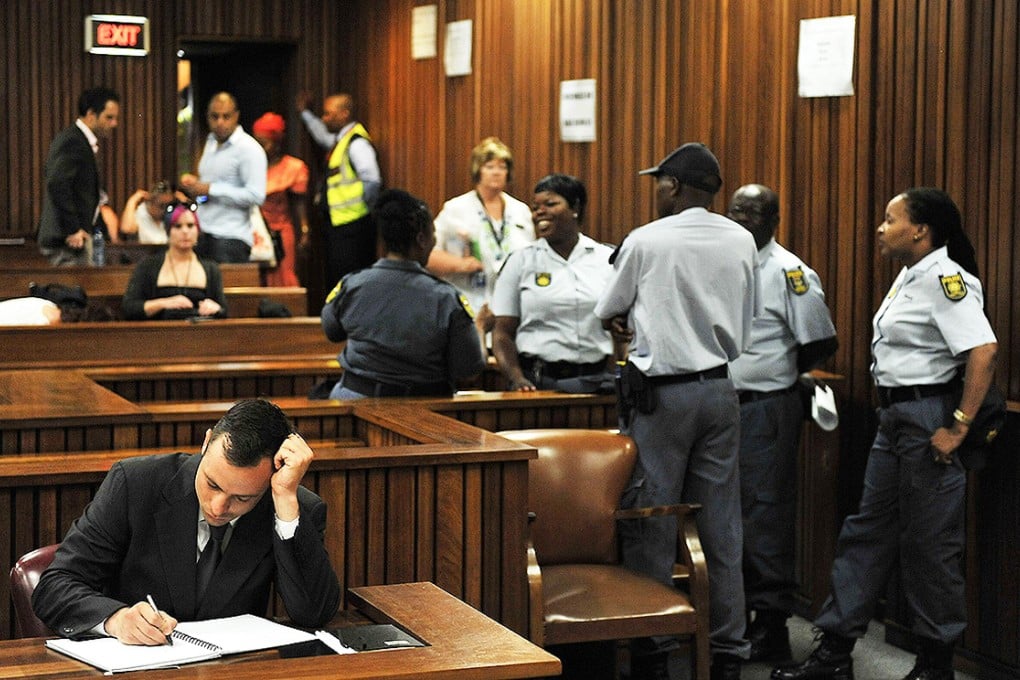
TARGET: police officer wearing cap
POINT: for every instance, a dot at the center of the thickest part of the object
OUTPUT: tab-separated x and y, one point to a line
930	326
687	286
408	332
794	334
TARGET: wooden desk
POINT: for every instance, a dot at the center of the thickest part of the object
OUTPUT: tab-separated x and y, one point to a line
242	301
462	644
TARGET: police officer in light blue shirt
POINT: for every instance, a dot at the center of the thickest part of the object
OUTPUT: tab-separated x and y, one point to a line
688	287
546	331
929	330
793	334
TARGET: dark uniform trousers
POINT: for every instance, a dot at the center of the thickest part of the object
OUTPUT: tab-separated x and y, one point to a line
769	437
912	509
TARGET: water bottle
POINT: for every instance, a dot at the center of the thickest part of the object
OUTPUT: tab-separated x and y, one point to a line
98	248
478	278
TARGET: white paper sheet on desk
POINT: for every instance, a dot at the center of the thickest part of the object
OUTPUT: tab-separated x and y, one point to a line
823	407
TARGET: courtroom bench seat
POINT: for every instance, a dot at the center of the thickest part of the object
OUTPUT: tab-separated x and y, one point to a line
111	279
242	301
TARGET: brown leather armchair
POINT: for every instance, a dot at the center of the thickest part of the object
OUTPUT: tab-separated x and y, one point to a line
579	592
24	576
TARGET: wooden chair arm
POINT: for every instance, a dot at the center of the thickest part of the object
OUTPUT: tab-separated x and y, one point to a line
536	605
681	510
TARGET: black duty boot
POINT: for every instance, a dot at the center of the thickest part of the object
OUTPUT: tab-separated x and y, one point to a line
934	661
830	661
650	666
725	667
769	637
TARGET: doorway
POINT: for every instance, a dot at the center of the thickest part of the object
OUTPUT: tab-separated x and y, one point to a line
259	75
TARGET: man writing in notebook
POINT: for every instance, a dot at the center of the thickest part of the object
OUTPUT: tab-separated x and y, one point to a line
203	535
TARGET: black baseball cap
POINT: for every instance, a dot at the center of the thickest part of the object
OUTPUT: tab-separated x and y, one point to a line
692	164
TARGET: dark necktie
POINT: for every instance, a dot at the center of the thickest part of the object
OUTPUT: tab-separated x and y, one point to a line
208	560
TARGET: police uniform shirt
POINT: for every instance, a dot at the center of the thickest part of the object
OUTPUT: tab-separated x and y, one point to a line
463	221
555	300
690	285
402	325
794	314
932	315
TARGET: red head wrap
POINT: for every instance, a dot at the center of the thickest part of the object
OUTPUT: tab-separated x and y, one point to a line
270	125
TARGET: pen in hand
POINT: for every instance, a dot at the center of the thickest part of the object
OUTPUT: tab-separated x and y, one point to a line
152	603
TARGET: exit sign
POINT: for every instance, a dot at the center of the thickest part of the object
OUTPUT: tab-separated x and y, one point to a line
116	34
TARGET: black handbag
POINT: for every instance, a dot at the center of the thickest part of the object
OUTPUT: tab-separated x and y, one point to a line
984	429
277	239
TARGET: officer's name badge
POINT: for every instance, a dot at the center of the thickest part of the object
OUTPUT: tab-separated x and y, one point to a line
797	281
954	287
466	305
543	279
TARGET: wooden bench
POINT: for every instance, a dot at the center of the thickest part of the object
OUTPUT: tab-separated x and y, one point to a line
127	343
242	301
111	279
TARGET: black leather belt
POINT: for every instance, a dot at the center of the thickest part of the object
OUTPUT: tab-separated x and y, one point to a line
751	395
887	396
374	388
558	370
717	373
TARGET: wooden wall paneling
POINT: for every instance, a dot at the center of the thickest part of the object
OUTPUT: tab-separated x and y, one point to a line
450	537
491	535
7	548
356	512
376	503
474	543
425	543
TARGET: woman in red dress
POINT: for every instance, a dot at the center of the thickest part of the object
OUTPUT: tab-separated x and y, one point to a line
284	209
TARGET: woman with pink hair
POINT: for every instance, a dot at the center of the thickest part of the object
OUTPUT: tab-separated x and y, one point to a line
176	284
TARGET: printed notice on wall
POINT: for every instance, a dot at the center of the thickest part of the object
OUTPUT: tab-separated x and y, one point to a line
825	61
457	48
577	110
423	31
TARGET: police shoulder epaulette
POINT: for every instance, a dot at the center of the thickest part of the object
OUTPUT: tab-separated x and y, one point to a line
466	305
336	291
954	287
797	281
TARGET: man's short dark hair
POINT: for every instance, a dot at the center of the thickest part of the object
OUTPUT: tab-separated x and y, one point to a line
252	429
94	99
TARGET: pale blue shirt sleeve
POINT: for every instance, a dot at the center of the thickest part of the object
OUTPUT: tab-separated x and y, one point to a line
252	166
366	166
317	129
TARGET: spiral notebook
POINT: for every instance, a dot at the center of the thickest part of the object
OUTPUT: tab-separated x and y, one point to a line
193	641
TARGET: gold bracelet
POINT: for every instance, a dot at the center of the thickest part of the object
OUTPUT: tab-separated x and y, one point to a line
961	417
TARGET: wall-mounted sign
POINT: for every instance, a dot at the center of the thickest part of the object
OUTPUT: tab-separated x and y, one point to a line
116	34
577	110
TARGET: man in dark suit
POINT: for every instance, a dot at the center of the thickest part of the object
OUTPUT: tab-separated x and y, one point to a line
72	195
157	522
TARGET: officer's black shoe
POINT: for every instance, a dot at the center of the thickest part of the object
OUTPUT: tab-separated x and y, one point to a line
830	661
769	637
650	666
725	667
934	661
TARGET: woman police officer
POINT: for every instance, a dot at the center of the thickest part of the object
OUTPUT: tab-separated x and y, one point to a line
929	326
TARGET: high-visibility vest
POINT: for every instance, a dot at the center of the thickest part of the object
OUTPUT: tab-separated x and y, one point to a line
345	192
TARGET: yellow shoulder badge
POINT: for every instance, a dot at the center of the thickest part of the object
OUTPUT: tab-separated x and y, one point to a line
797	281
543	279
954	287
336	291
466	305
